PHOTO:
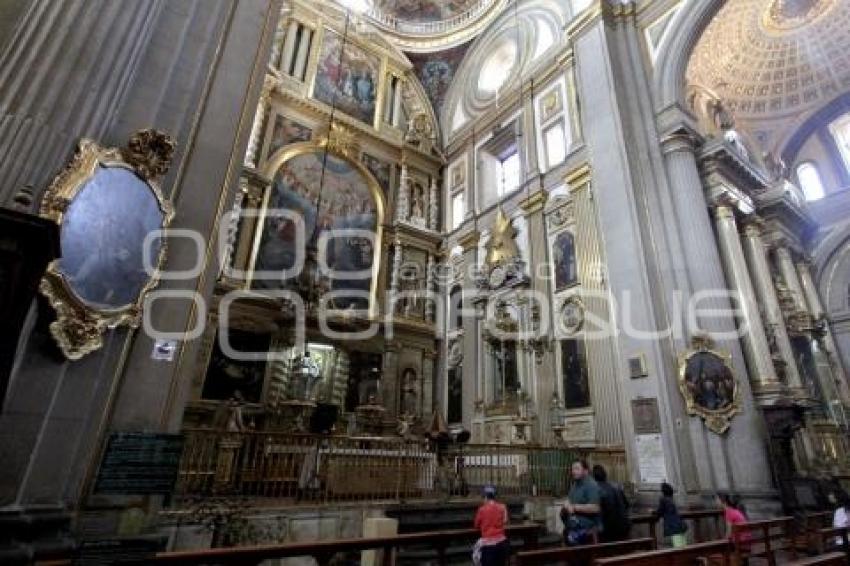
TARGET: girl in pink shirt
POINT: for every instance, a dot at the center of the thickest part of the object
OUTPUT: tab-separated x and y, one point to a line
734	516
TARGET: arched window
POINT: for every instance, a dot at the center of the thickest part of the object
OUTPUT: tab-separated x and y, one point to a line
810	182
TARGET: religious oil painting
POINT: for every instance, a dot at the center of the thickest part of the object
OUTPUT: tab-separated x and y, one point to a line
379	169
411	284
285	132
340	199
564	256
709	387
436	71
347	79
103	235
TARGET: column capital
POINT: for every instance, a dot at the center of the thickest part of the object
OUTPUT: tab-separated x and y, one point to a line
680	140
754	226
724	211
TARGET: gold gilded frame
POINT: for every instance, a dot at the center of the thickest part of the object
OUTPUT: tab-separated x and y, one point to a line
339	143
79	326
716	420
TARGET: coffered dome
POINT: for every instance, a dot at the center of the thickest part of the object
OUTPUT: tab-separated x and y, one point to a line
774	58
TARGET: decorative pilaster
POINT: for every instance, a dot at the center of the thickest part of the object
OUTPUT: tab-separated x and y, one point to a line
816	308
402	201
766	292
288	43
433	205
756	348
471	391
430	302
604	381
229	244
259	121
397	251
791	278
428	382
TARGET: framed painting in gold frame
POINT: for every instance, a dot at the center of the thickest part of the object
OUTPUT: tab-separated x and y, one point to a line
112	216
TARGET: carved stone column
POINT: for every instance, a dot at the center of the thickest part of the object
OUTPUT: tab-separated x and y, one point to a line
428	383
253	187
402	196
756	348
389	379
830	349
255	140
791	278
766	292
433	205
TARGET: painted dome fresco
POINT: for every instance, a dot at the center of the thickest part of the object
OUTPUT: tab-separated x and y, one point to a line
417	11
430	25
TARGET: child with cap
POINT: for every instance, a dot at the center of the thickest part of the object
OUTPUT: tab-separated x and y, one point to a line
492	549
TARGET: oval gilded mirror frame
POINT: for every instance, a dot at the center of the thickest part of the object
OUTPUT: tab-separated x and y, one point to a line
717	420
80	324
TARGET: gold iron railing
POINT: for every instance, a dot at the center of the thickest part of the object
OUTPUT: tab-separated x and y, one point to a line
306	468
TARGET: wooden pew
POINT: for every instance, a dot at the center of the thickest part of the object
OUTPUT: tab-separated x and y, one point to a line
324	551
695	516
582	554
807	537
831	559
772	535
826	540
718	550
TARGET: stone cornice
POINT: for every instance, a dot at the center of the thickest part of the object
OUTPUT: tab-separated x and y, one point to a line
578	177
534	203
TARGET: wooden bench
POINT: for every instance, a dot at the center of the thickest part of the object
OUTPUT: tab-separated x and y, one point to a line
324	551
772	535
582	554
695	516
807	537
833	558
718	551
826	540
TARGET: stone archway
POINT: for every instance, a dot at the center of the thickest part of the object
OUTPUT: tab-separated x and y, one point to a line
670	67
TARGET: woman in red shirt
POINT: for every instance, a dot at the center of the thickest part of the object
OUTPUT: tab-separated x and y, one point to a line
493	548
734	516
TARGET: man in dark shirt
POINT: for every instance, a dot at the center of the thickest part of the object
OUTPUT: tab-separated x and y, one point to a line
581	511
614	508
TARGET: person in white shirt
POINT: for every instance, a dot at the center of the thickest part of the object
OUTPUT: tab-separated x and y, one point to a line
841	517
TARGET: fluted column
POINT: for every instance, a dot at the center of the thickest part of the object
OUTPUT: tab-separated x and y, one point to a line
64	74
816	308
288	45
766	292
756	348
791	278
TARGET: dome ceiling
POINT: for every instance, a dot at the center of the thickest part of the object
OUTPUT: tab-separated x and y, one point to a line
431	25
775	58
419	11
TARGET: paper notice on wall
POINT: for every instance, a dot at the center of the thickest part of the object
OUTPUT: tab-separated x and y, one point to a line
650	454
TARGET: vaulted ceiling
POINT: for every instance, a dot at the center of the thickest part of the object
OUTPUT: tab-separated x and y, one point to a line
775	62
